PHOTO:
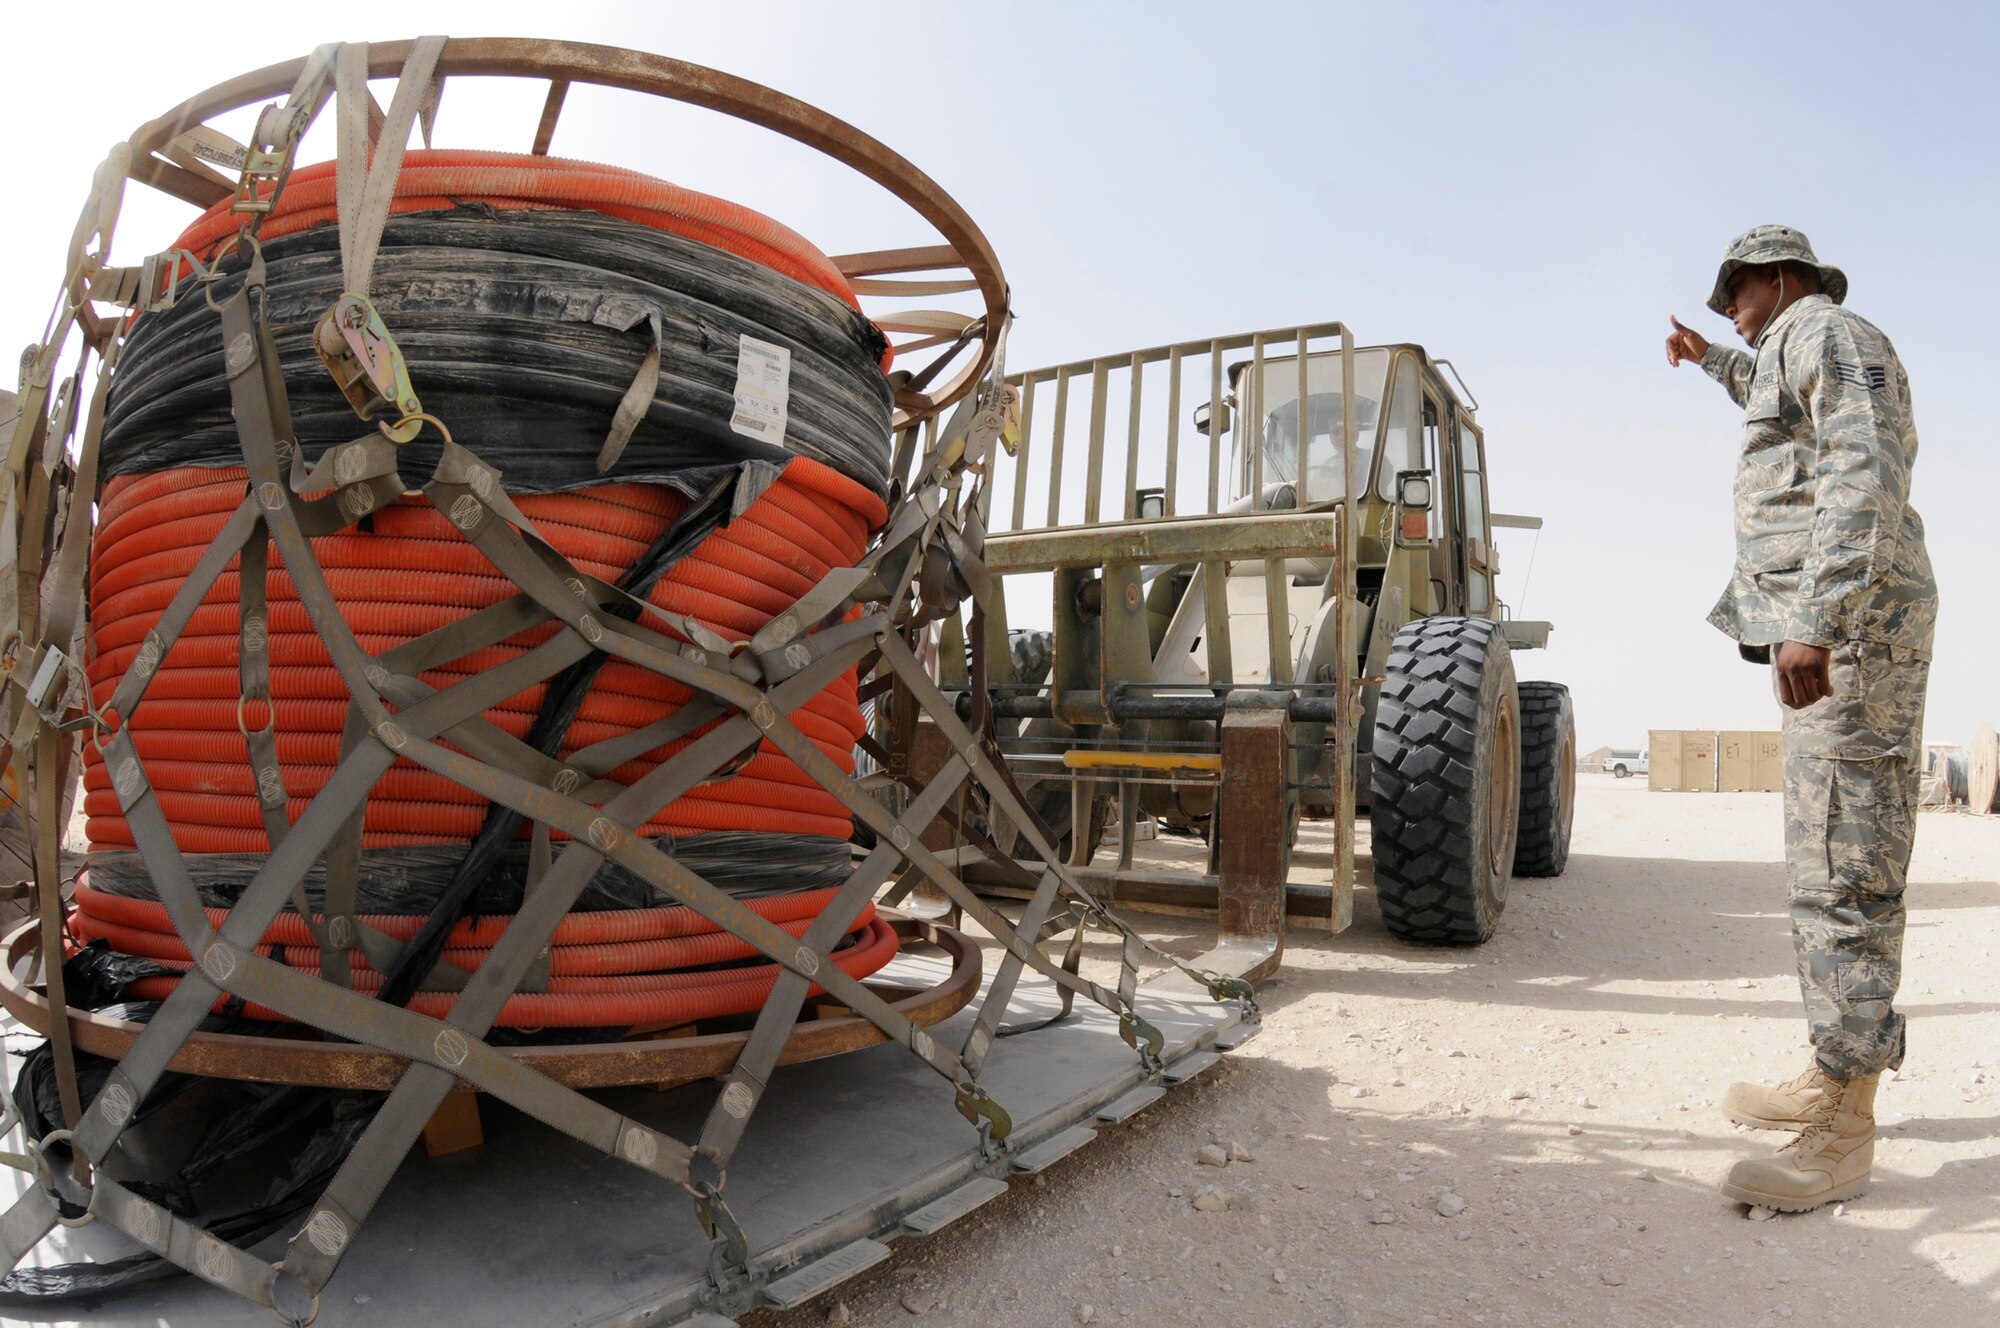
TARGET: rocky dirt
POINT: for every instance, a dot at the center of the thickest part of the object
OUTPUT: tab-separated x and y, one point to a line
1526	1133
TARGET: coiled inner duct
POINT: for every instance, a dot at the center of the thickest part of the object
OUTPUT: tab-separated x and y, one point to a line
523	292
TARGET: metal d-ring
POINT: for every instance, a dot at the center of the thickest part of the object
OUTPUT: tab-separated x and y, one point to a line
242	717
215	273
704	1190
99	727
287	1319
45	1175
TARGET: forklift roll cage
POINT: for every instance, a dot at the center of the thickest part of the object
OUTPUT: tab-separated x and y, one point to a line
1210	711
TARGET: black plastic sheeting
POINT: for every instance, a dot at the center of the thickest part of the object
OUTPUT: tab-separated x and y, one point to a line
522	331
317	1127
411	880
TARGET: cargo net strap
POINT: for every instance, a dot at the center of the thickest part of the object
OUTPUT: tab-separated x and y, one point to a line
864	617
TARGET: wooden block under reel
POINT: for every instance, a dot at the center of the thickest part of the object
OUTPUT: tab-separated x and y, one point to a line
454	1126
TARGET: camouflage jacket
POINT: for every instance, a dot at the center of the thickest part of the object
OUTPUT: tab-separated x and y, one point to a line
1828	548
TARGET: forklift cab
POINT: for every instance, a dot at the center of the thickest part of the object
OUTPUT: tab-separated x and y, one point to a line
1406	423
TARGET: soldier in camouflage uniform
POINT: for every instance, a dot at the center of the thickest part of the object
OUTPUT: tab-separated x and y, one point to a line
1833	587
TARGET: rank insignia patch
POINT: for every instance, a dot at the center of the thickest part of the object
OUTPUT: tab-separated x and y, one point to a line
1871	376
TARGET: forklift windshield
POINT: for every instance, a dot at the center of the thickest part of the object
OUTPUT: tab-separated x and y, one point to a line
1274	405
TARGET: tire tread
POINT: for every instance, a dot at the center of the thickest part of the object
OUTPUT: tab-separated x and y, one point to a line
1426	731
1543	846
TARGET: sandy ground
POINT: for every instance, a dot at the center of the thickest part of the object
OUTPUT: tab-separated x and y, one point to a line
1562	1081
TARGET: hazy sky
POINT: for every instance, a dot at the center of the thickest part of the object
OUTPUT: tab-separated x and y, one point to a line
1529	189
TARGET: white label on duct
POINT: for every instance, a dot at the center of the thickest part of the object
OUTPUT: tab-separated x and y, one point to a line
763	386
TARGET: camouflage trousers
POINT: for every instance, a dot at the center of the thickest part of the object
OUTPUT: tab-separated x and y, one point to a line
1852	764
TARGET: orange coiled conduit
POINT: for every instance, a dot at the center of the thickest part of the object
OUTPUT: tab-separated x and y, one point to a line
606	968
611	1002
409	573
413	573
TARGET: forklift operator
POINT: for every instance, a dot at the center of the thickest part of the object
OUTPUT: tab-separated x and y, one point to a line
1326	440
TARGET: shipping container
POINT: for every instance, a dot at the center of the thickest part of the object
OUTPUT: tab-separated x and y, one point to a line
1750	762
1683	761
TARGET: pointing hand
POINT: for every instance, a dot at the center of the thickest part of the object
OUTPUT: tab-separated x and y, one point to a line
1685	344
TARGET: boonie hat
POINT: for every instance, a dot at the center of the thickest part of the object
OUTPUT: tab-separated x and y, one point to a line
1773	244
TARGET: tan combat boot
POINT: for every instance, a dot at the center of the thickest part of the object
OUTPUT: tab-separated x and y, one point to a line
1829	1161
1789	1106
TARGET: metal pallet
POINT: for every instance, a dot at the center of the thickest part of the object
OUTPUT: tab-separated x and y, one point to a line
844	1155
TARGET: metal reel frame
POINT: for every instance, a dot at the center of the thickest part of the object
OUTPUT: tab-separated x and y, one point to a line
170	153
866	617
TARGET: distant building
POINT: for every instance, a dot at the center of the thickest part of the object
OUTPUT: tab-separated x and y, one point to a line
1593	760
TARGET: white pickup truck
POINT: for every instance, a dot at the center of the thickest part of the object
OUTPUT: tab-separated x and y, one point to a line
1625	764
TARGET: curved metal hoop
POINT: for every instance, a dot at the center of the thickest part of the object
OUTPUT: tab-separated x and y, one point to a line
564	63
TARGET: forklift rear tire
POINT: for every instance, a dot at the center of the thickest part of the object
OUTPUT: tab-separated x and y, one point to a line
1548	779
1446	781
1051	802
1050	799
